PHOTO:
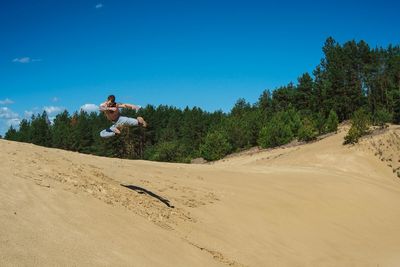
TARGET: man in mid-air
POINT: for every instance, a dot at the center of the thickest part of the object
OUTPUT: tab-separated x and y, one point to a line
111	110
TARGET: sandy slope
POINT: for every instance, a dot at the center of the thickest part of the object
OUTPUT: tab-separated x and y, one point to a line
320	204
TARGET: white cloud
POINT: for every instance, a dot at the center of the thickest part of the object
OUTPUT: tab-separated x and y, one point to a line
13	122
52	109
90	108
25	60
6	113
8	118
28	113
99	5
34	111
22	60
6	101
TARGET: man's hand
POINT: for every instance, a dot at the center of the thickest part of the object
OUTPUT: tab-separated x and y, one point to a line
136	107
129	106
105	108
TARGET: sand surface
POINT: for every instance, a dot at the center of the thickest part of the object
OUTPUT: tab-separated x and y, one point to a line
318	204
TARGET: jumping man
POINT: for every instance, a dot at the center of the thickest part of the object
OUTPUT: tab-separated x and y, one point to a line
111	110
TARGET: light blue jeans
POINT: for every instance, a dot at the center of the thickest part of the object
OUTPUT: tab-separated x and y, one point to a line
109	132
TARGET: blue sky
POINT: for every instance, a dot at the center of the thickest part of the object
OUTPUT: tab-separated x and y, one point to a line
57	55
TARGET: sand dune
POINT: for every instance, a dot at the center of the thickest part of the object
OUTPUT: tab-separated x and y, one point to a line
318	204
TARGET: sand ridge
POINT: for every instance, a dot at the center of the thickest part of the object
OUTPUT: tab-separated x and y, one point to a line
318	204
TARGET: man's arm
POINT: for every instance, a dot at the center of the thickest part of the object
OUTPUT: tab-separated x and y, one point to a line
104	107
129	106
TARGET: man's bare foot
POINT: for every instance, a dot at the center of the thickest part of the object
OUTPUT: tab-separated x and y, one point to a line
116	130
142	122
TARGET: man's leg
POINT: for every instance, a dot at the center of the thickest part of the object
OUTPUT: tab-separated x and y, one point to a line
125	121
107	133
142	121
110	132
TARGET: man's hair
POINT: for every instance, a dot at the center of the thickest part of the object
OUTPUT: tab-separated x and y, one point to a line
111	98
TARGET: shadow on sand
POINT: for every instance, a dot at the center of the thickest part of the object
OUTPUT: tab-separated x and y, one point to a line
141	190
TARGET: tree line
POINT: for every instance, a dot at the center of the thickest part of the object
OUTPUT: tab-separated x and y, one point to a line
352	78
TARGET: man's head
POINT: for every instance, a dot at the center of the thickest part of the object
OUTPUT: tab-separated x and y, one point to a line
111	100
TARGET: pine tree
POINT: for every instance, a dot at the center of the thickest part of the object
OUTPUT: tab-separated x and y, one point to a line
305	99
40	130
11	134
264	101
307	131
331	124
360	123
81	132
283	98
243	125
24	133
215	146
62	131
277	132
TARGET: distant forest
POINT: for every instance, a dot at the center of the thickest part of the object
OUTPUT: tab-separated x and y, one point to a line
350	77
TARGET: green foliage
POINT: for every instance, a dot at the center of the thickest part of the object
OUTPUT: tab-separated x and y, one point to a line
319	122
11	134
242	128
265	101
62	131
81	132
240	108
277	131
192	129
40	130
381	117
24	133
307	131
305	93
352	136
360	125
170	151
396	106
215	146
362	120
331	124
292	118
283	98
